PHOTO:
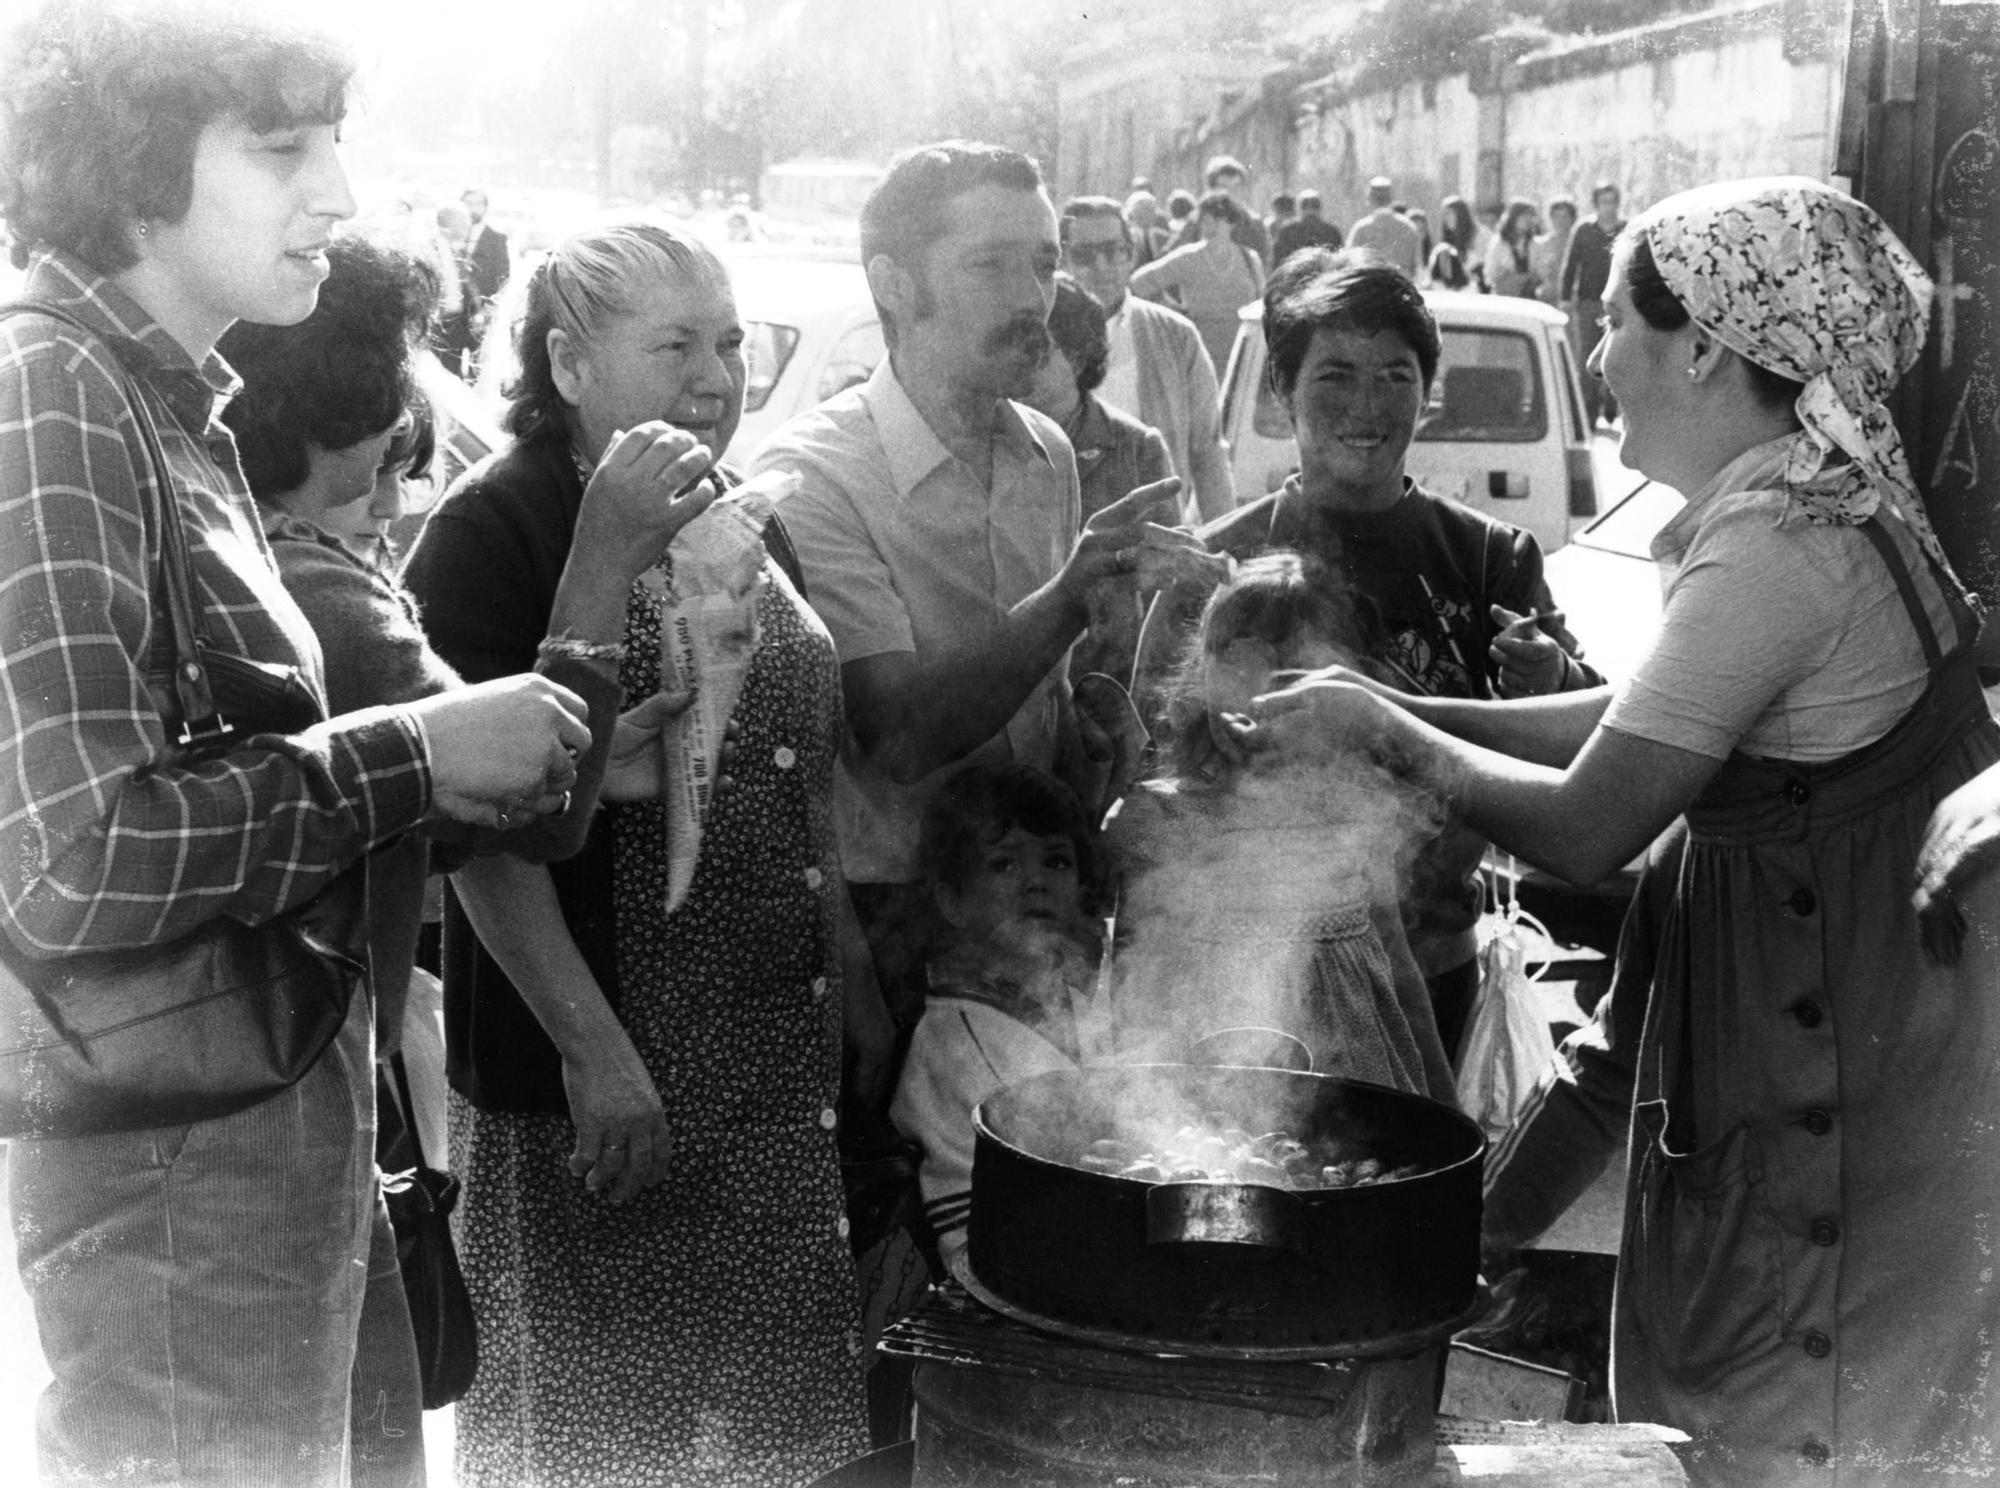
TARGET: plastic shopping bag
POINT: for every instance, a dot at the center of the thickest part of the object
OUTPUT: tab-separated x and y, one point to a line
1508	1048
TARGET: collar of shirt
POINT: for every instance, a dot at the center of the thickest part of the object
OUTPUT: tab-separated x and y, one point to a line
1759	468
913	449
143	346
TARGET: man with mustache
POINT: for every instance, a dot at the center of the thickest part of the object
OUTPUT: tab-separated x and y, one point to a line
938	522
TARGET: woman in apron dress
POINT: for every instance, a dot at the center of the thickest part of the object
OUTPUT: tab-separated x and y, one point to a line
1806	1284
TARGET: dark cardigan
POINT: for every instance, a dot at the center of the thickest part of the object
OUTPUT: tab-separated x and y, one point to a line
485	573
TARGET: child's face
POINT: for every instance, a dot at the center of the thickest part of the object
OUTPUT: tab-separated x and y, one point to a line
1023	886
1248	668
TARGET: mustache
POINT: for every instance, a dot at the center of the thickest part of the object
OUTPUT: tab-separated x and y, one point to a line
1024	332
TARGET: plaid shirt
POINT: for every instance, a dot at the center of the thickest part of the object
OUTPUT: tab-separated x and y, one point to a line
105	842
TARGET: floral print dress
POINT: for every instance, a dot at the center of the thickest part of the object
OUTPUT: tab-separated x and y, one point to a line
707	1332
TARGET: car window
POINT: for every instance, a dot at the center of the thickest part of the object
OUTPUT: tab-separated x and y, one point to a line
853	359
1629	526
1488	389
767	350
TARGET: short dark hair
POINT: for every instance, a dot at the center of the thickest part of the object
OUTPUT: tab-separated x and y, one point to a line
341	375
585	282
1284	201
1180	202
1663	310
1221	204
1309	200
1091	208
980	804
1076	325
1349	290
905	213
1220	166
1562	201
101	106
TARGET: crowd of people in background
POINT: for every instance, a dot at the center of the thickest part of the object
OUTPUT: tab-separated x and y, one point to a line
1545	252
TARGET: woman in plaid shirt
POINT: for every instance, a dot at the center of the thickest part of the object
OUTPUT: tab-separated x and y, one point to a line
164	171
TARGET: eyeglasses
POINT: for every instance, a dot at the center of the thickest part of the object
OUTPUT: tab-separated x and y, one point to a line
1083	255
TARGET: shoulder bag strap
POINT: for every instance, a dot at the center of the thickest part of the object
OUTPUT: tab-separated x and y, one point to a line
200	718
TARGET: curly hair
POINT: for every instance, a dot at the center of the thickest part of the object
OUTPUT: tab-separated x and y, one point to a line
587	281
342	374
102	103
980	804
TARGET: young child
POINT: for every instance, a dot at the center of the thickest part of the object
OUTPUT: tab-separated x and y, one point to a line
1009	858
1253	895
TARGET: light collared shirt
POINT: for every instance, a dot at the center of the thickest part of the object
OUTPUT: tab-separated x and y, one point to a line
904	551
1120	387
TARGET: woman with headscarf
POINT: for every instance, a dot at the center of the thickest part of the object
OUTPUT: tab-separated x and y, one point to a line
1806	1278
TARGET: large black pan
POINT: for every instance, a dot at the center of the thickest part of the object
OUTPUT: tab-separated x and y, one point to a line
1218	1267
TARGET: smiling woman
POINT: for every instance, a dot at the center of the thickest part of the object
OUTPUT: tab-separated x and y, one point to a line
644	1096
201	1288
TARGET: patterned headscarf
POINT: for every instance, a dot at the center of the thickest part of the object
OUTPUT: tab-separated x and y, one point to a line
1809	283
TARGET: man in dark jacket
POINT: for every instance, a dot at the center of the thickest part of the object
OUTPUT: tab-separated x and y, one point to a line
1307	230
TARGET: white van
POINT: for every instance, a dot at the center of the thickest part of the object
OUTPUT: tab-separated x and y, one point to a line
1504	430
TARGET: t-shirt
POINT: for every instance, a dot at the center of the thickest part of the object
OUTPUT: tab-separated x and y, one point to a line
1780	637
906	552
1421	577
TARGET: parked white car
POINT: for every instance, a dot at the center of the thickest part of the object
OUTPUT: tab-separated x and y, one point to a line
1504	431
811	331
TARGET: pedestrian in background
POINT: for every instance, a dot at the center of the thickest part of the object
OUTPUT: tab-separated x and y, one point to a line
1546	256
1510	266
1157	367
1210	280
1307	230
1585	271
1385	232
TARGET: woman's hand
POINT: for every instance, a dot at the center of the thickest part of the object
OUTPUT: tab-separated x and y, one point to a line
1324	713
637	767
503	752
646	489
1961	845
622	1142
1531	663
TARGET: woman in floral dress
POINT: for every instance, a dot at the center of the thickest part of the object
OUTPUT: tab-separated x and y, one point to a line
644	1101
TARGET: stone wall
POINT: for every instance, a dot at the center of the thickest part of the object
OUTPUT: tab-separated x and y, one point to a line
1748	89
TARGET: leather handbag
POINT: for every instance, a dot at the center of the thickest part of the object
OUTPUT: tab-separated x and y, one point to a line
228	1015
420	1200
